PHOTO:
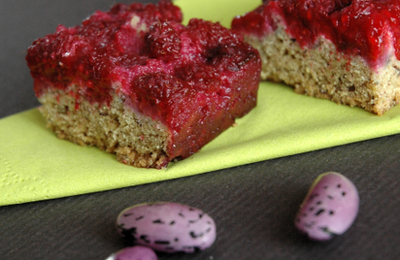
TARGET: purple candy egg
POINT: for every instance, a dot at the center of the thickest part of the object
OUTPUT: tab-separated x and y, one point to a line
167	227
134	253
330	207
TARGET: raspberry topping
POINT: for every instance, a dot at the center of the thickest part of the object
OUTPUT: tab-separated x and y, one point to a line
368	28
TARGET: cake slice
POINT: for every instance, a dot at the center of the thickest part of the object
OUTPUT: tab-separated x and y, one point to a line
346	51
136	82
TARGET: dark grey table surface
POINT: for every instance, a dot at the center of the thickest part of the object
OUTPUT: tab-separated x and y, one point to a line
253	205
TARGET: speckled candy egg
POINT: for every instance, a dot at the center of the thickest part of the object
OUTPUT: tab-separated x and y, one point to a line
329	208
134	253
167	227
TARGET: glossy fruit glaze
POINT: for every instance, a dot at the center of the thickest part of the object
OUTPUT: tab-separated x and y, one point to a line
369	28
195	79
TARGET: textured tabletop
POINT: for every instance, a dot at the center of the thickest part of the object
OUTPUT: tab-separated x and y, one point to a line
253	205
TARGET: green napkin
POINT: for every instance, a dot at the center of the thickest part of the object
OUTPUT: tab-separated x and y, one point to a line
35	165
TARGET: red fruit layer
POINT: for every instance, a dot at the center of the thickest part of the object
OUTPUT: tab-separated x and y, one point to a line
368	28
195	79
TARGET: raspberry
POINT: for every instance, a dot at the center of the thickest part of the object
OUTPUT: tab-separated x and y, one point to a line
207	36
155	92
163	42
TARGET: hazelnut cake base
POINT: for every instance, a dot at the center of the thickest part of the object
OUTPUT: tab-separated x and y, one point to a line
136	139
136	82
334	50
